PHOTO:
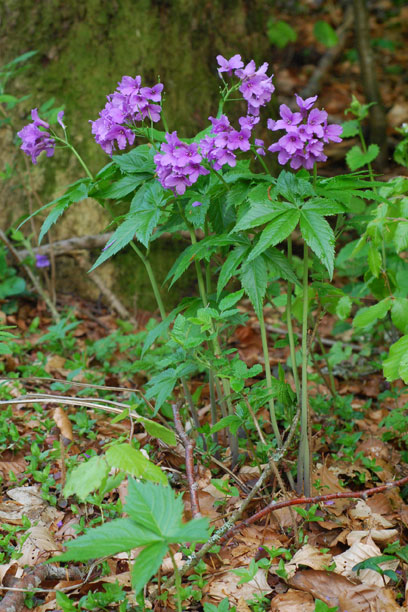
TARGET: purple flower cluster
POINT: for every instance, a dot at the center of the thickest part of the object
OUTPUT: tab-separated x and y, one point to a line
42	261
129	103
178	165
306	133
36	140
218	148
256	86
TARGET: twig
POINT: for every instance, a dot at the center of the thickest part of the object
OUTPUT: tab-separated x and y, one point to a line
302	501
326	62
189	447
80	243
236	515
14	600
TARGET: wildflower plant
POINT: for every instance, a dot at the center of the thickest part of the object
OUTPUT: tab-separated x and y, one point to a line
209	182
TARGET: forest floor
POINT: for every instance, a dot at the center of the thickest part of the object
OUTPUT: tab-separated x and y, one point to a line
359	435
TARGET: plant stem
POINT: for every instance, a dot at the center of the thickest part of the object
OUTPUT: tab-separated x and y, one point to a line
290	327
268	375
177	581
152	279
217	351
304	458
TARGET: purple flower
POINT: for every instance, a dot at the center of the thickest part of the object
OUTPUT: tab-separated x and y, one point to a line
59	119
256	86
305	105
42	261
35	138
178	165
128	104
306	133
195	204
230	65
261	146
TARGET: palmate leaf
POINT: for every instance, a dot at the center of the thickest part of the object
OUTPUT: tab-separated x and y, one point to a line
277	230
254	280
122	187
162	514
356	158
109	539
146	208
319	236
138	160
260	213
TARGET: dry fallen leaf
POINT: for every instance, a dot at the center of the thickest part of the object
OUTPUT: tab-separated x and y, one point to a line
37	546
358	552
378	535
293	601
63	423
309	556
336	590
226	585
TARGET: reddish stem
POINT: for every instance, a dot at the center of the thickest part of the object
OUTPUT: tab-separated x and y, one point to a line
301	501
189	447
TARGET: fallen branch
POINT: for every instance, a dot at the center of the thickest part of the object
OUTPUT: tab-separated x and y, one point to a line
14	599
302	501
189	447
314	83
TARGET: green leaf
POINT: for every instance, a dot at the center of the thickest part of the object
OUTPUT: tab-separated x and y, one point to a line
120	238
64	602
160	386
123	186
368	316
396	364
374	260
230	300
401	236
75	193
14	285
350	128
318	234
277	230
145	207
230	266
138	160
399	314
147	564
198	251
116	536
325	34
324	206
280	33
279	266
356	158
254	280
159	330
343	307
86	477
193	531
293	187
154	507
321	606
232	421
125	457
158	431
260	213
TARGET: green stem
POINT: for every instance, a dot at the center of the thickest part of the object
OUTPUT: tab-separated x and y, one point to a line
304	457
77	155
152	279
290	326
213	405
177	581
268	375
217	351
263	164
329	367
